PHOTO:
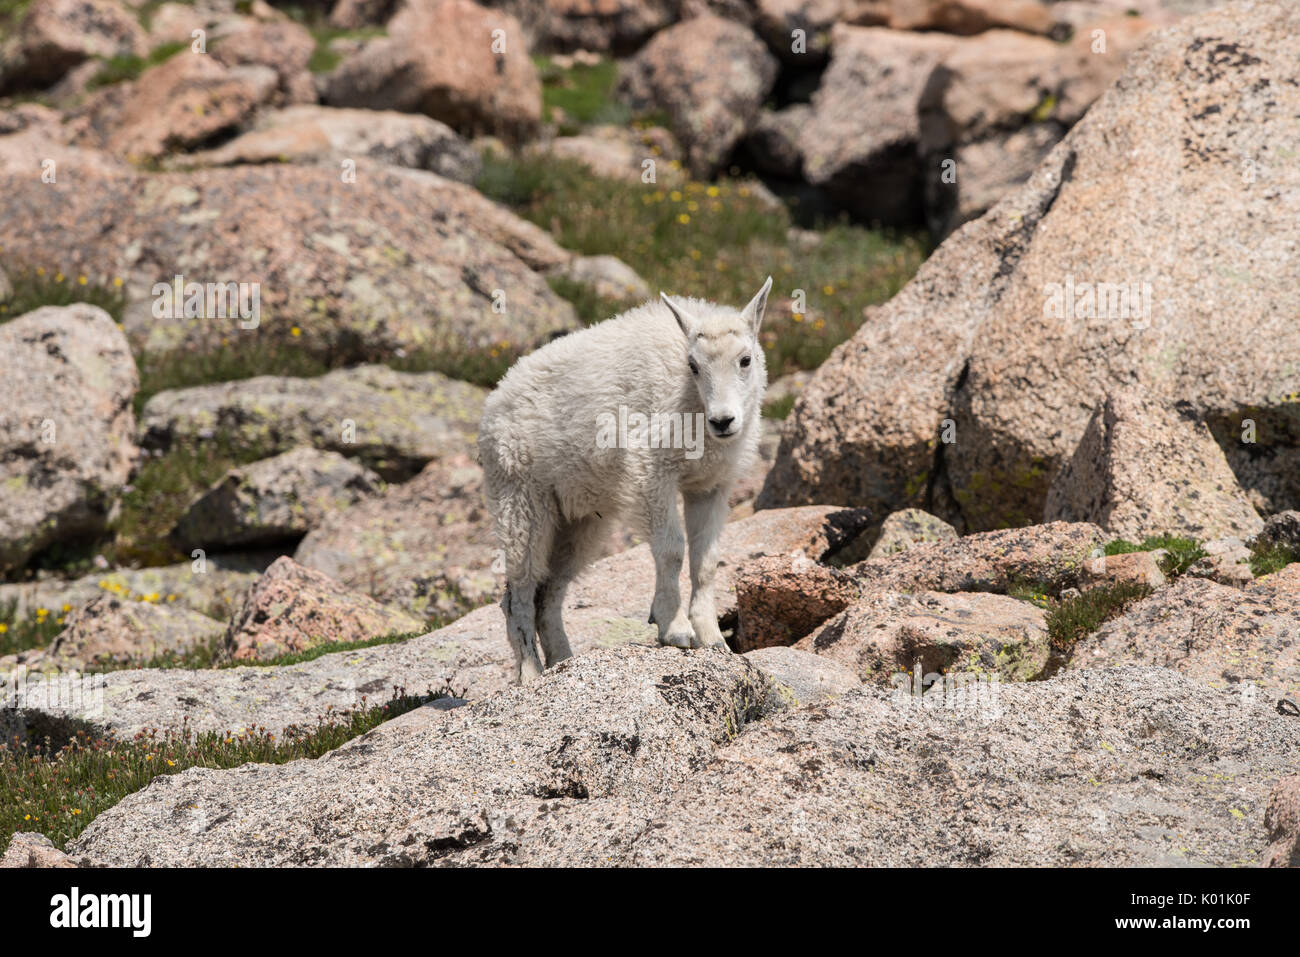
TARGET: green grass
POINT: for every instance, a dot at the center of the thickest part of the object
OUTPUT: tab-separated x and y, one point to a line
716	241
483	367
1183	552
248	357
1035	592
587	303
12	11
779	408
58	792
120	69
1071	619
582	95
35	631
242	358
34	288
1267	559
324	59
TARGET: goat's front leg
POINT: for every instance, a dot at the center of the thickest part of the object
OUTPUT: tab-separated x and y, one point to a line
705	516
667	544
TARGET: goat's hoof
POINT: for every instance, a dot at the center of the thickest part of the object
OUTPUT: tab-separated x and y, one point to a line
677	639
527	673
711	642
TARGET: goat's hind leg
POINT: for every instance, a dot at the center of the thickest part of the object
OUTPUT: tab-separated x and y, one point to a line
526	525
520	607
576	544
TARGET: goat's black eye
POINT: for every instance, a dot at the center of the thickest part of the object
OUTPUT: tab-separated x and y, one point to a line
744	362
695	370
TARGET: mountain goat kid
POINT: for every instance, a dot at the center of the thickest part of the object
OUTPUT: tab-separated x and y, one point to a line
610	423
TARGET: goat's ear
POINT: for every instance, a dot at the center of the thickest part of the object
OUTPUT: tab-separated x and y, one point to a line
754	311
684	318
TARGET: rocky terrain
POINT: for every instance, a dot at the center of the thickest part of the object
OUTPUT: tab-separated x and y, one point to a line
1016	580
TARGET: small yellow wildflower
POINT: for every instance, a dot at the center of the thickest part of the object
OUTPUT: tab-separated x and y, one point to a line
295	332
117	282
712	191
683	218
82	280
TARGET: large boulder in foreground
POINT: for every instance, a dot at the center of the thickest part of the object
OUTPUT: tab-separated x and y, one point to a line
67	433
397	260
644	756
942	401
394	422
452	60
1139	767
1146	468
292	609
1245	641
710	76
609	735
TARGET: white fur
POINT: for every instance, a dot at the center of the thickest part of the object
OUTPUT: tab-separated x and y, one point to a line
553	490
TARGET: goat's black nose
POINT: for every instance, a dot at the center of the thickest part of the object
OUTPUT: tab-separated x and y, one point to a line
721	425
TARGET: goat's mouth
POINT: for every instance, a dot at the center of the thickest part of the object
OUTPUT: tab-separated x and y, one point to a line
729	432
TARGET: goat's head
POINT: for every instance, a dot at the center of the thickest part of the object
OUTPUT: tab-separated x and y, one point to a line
725	360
